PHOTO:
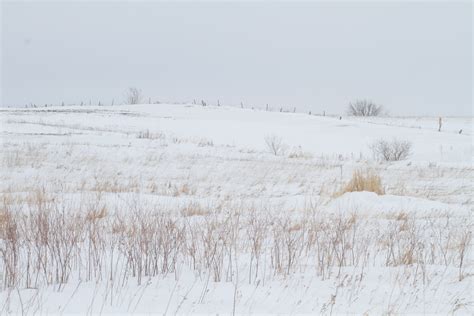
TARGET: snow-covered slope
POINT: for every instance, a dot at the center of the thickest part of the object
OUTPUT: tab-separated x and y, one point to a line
183	209
247	128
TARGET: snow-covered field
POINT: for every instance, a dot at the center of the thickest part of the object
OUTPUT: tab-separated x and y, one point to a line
183	209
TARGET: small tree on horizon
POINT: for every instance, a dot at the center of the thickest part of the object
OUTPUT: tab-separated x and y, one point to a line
133	96
364	107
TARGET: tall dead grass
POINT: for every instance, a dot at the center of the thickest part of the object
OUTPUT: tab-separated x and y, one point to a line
363	181
48	242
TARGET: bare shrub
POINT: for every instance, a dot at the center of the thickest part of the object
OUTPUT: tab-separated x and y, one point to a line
364	181
46	241
275	145
203	142
393	150
463	249
256	228
146	134
364	107
298	153
133	96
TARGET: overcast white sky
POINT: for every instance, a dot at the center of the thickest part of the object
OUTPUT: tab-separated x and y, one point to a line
415	58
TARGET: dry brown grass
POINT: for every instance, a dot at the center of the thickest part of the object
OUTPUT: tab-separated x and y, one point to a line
96	214
363	181
52	241
29	154
114	185
183	189
194	209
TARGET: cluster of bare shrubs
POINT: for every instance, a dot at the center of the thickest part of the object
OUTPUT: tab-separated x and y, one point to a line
45	242
147	134
393	150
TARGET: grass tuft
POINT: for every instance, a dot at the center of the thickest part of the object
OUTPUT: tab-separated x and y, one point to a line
364	181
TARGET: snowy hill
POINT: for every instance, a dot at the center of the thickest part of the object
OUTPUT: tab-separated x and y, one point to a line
185	209
247	128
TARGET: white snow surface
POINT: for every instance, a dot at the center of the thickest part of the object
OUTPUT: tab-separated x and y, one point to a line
247	128
170	157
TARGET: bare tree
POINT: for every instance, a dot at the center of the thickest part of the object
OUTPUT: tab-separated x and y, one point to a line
393	150
133	96
364	107
275	145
